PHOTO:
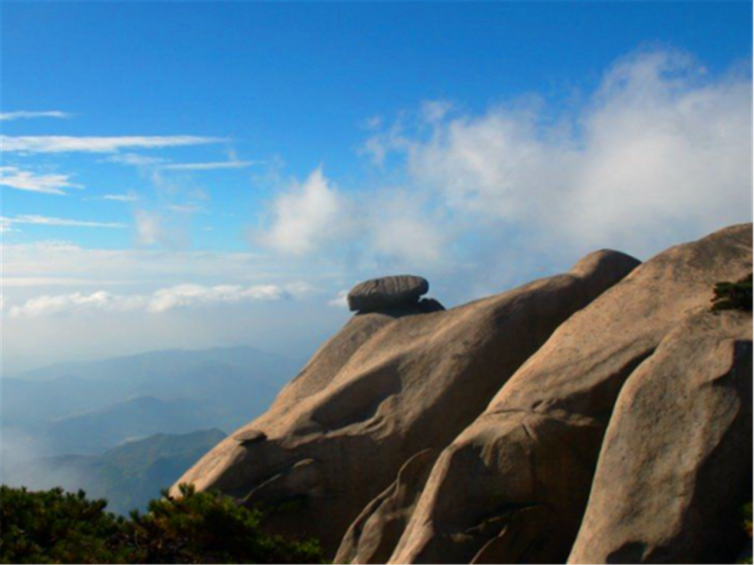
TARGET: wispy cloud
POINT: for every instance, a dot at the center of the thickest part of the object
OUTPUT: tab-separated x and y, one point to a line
5	226
209	166
129	197
162	300
149	228
69	144
135	160
25	115
189	208
18	179
60	222
47	260
169	229
146	161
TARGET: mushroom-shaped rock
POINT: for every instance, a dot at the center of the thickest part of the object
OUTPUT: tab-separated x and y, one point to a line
387	292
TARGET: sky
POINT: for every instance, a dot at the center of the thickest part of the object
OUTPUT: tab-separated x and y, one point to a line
203	174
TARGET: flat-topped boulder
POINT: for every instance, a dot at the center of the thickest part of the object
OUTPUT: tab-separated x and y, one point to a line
387	292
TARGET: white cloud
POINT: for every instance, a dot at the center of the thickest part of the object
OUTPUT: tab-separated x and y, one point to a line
58	222
307	217
190	295
47	305
162	300
68	144
340	301
660	153
383	228
25	115
13	177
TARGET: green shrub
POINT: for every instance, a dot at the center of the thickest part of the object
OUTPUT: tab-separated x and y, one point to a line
747	525
57	527
748	519
733	295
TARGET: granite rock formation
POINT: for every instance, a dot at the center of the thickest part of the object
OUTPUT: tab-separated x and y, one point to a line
513	487
392	383
601	415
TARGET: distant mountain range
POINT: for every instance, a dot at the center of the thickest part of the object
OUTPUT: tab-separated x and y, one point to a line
128	476
88	408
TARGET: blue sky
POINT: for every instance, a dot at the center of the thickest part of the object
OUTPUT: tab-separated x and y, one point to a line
197	169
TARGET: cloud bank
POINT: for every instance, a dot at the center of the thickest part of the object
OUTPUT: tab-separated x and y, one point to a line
162	300
660	152
657	154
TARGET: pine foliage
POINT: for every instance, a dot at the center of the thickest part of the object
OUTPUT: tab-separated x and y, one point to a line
57	527
733	295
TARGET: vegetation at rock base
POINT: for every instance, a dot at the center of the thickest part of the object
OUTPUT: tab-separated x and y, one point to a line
747	513
58	527
747	523
733	295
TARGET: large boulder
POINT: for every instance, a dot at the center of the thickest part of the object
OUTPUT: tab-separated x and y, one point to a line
514	485
387	292
391	384
675	465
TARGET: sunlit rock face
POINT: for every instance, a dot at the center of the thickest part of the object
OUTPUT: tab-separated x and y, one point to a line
675	463
395	381
513	486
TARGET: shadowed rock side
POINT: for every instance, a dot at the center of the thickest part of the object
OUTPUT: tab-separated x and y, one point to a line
375	533
389	385
513	486
676	460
